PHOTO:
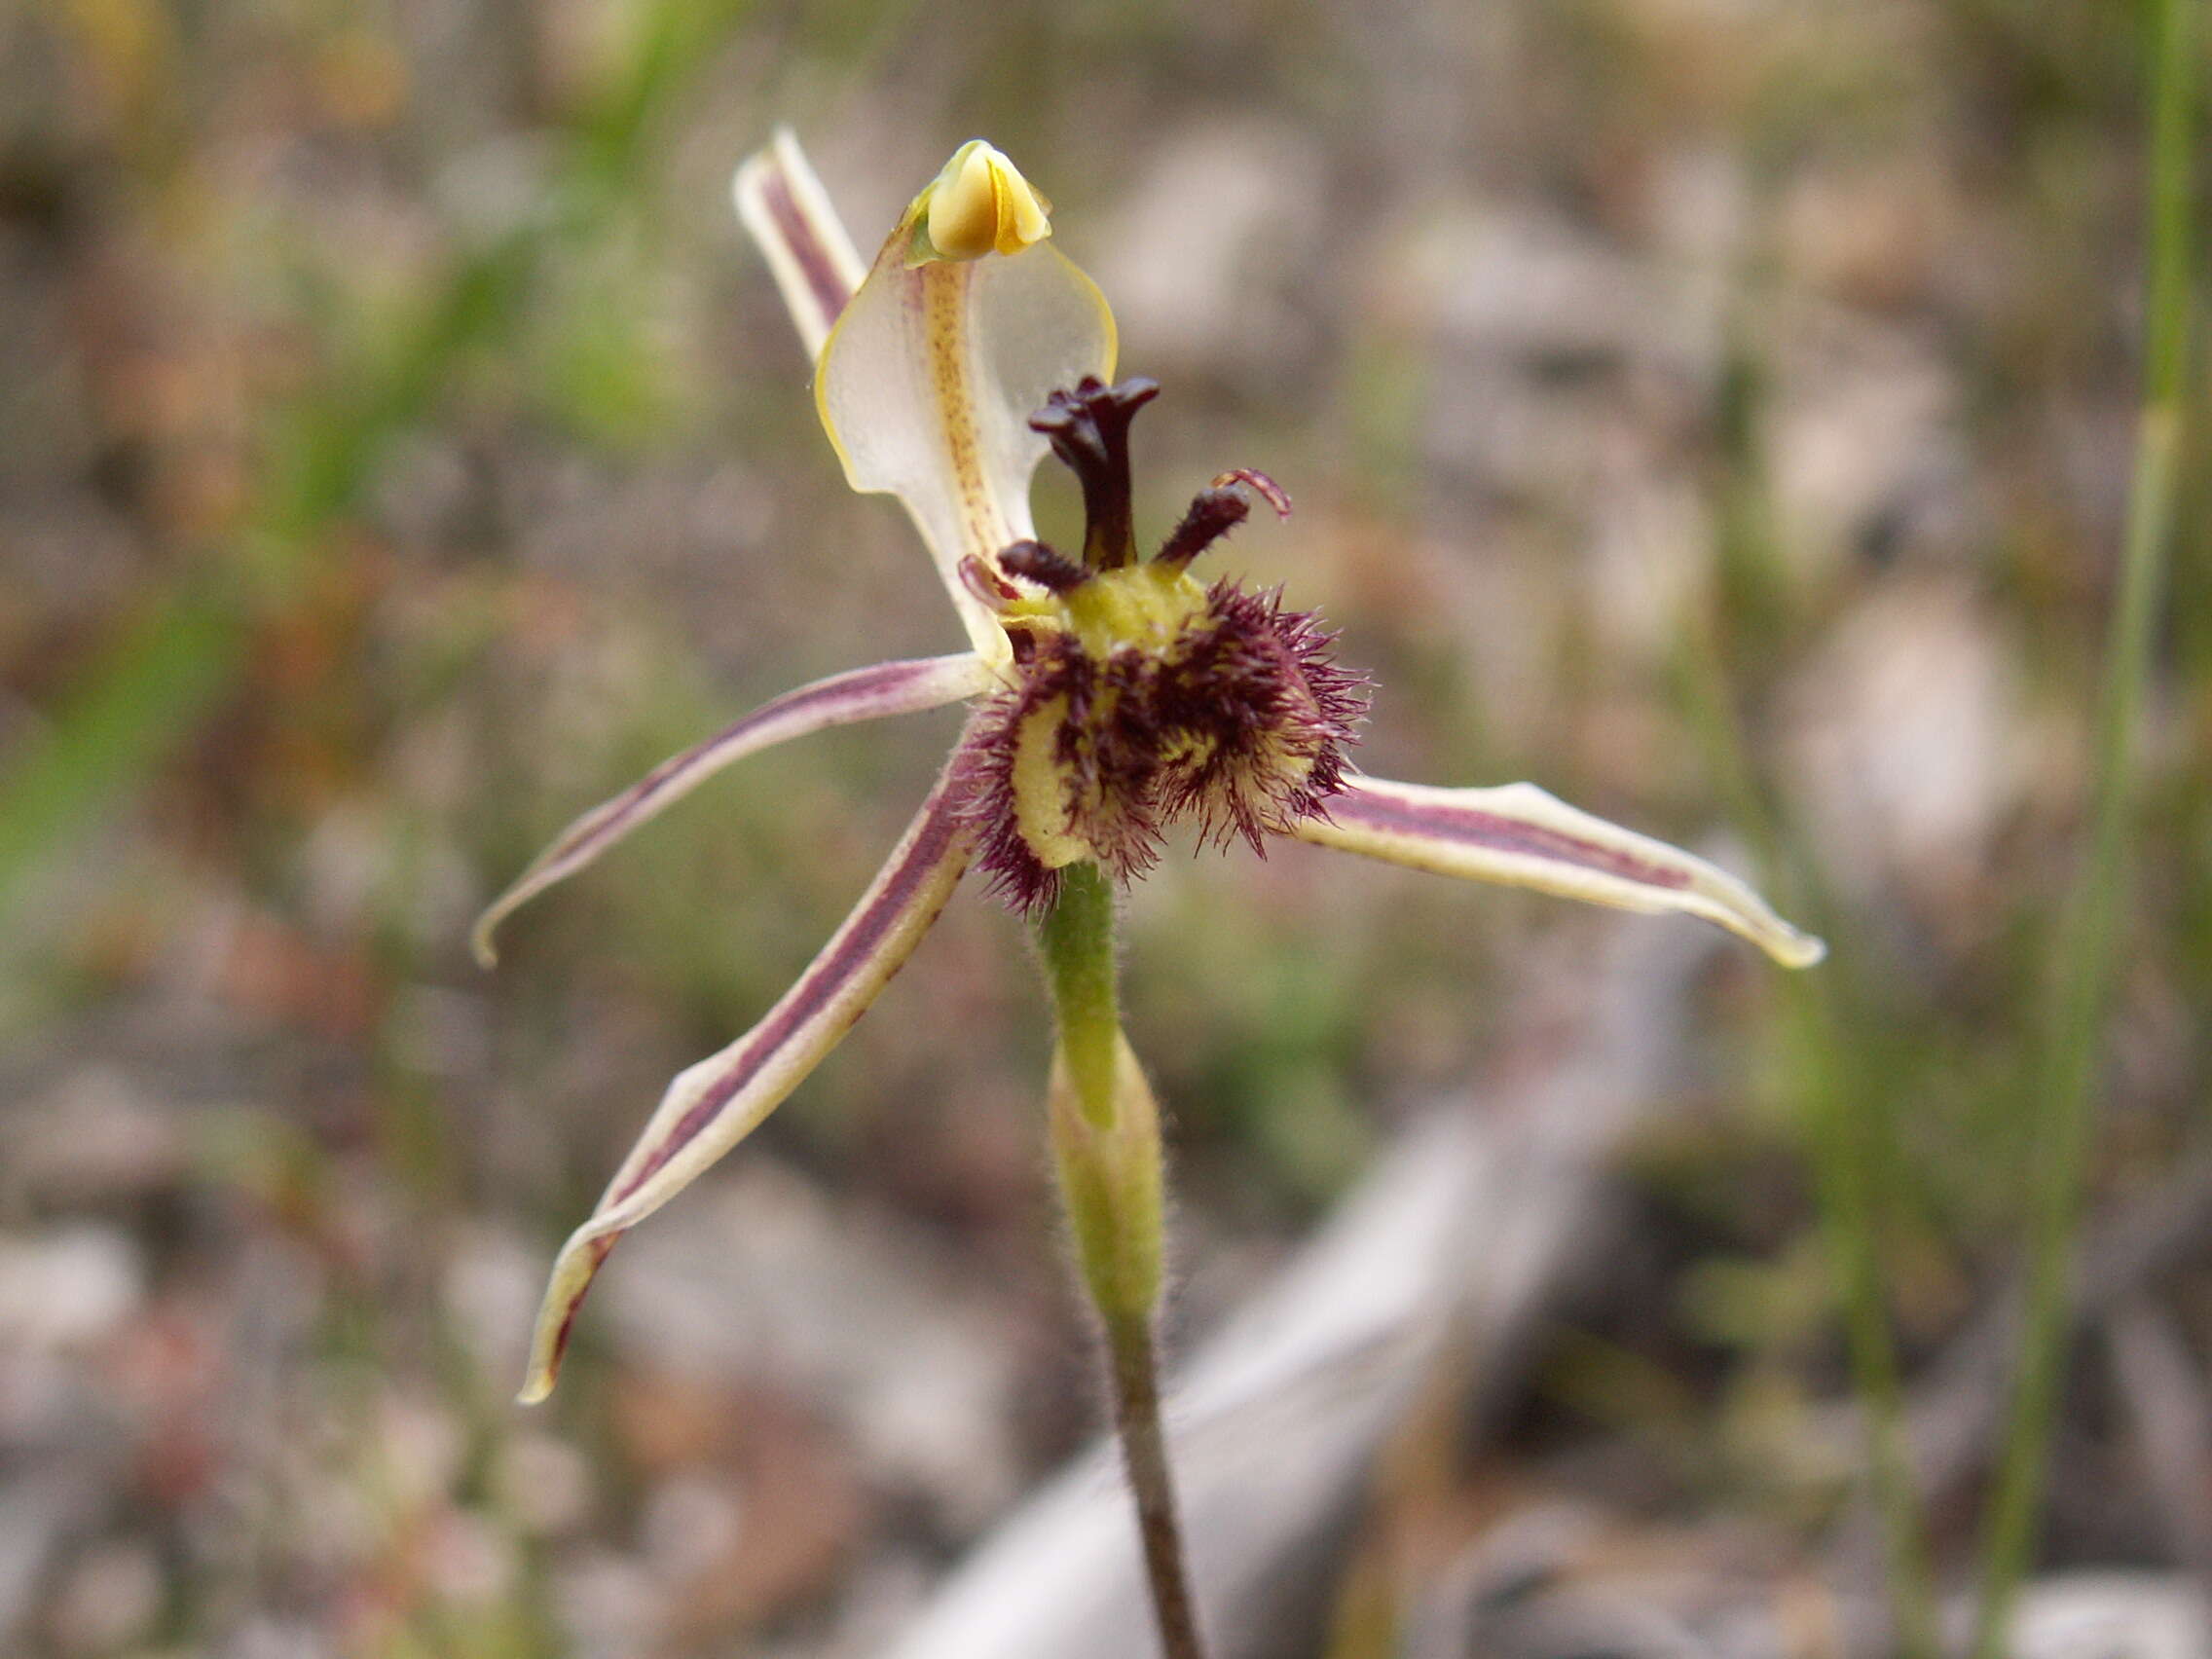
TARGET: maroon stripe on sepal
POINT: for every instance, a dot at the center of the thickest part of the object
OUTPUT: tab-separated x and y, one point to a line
815	262
1492	832
601	1249
855	688
934	839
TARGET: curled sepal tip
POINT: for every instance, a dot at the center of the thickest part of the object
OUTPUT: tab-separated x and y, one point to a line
862	694
1518	836
717	1104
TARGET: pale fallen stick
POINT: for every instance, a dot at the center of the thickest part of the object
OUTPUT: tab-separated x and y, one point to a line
1458	1234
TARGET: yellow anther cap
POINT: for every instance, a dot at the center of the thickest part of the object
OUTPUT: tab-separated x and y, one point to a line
979	204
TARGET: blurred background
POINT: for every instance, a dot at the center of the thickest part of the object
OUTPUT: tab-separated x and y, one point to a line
1719	411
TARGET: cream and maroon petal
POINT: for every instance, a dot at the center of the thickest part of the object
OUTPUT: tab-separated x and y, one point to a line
717	1104
1521	836
789	215
928	381
862	694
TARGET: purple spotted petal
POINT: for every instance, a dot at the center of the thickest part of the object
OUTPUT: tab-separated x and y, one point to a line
785	207
717	1104
1521	836
862	694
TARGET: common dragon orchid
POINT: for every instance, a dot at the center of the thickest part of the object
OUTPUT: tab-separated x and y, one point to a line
1112	694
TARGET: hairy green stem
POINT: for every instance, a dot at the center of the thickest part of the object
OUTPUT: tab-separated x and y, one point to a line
1076	939
2083	981
1105	1131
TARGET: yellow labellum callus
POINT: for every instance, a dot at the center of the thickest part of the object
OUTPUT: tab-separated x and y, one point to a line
1140	696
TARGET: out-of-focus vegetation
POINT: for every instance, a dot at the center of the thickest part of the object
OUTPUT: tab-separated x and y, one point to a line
1720	412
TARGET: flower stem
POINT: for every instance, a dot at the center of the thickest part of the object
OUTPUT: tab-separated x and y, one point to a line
1144	1453
2090	932
1106	1145
1077	938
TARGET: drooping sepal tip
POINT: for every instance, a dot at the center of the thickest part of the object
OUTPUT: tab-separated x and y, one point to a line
573	1271
1786	944
712	1105
1520	836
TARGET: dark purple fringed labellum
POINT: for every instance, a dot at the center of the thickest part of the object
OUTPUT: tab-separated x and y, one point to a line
1143	697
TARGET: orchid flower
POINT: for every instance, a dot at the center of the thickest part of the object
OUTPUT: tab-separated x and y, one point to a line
1111	694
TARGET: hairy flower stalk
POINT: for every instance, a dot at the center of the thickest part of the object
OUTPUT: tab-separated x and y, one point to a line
1113	697
1105	1135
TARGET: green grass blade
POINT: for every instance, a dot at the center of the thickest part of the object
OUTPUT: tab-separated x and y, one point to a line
145	698
2083	983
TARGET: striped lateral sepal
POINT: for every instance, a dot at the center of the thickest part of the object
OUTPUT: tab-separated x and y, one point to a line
843	699
1518	835
717	1102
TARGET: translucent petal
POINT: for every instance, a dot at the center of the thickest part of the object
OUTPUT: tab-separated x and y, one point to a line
717	1104
928	383
789	215
862	694
1521	836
